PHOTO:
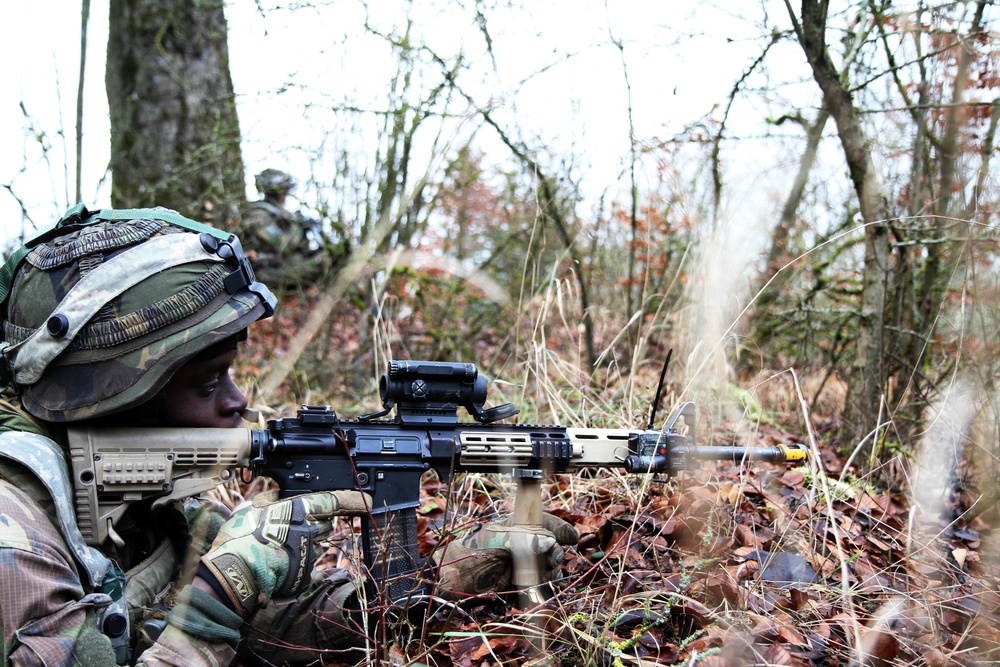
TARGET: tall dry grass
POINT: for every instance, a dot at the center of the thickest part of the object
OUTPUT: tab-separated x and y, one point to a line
907	569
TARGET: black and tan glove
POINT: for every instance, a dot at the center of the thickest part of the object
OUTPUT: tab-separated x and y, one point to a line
482	562
268	548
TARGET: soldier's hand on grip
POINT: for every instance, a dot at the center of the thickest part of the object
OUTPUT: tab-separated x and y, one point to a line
268	547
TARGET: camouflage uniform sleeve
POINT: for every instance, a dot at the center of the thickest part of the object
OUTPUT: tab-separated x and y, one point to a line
262	232
176	648
47	617
322	624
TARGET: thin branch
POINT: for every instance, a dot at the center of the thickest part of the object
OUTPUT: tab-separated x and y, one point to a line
716	175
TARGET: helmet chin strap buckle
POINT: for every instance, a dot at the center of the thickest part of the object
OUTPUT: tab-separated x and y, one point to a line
75	216
242	276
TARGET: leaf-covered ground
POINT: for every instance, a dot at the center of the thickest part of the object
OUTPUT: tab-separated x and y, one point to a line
739	567
720	566
724	565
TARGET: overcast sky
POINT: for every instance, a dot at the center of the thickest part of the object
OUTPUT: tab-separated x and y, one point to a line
680	62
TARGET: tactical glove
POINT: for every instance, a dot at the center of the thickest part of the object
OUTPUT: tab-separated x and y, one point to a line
482	562
268	548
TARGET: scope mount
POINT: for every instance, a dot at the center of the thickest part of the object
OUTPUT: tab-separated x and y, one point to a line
430	392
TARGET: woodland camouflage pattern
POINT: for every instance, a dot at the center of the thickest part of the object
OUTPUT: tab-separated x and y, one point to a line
481	561
49	615
156	301
43	605
267	548
138	339
279	241
44	457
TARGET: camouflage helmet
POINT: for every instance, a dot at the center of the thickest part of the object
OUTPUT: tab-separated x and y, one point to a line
100	310
274	182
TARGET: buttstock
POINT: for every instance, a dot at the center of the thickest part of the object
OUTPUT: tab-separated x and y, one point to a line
114	467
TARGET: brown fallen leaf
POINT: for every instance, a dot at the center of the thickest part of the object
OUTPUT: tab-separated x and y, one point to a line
880	647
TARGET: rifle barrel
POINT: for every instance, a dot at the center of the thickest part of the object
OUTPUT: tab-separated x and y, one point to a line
774	454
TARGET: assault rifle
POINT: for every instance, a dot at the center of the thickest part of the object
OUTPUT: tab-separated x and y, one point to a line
315	451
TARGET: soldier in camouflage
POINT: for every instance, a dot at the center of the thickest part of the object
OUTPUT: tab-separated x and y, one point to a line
133	318
288	249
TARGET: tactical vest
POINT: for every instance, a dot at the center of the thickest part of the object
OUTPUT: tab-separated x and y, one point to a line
44	458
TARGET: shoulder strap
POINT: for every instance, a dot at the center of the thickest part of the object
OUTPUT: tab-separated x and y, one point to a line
44	458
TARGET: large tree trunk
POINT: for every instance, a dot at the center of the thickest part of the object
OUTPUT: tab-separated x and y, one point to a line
867	374
175	136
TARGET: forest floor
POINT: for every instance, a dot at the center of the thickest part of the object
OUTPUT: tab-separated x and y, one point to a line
723	565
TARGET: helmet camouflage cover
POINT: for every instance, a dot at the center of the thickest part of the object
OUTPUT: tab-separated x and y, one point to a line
101	310
274	182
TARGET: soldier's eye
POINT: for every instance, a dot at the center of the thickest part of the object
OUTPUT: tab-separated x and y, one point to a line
209	387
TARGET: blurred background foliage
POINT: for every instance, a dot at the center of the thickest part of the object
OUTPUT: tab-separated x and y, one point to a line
826	206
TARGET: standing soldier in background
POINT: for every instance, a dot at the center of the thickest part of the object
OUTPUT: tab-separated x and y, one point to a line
289	250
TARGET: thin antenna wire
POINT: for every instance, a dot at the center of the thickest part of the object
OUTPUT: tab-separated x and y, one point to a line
659	390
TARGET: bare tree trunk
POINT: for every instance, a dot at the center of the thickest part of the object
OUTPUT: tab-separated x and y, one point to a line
175	135
867	375
935	273
778	254
84	20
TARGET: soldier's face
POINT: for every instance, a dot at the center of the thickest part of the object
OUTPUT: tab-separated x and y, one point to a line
203	394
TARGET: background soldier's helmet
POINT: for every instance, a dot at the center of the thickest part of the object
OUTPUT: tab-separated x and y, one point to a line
274	182
101	310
